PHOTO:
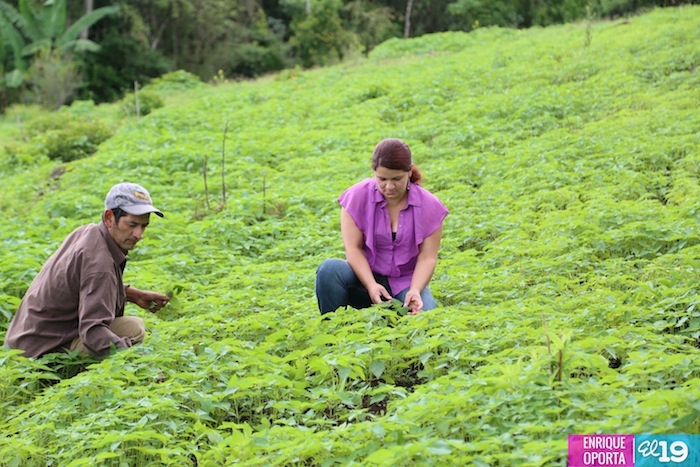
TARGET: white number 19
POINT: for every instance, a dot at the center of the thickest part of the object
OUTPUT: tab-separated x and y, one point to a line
679	451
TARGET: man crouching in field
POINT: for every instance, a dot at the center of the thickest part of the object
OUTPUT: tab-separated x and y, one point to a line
76	302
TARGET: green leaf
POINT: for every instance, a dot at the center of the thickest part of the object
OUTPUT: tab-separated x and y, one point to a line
344	372
323	339
377	368
14	78
440	448
380	457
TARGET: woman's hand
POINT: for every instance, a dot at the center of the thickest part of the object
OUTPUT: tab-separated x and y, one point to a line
377	293
413	302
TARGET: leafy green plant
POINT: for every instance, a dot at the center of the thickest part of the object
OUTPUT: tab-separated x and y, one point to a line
174	81
146	103
53	79
30	31
566	274
67	139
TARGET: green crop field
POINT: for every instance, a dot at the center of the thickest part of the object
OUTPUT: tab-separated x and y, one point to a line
569	158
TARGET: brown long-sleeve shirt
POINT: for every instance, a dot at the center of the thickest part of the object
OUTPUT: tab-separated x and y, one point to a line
78	292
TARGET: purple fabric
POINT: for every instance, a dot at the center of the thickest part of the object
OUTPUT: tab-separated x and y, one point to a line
422	215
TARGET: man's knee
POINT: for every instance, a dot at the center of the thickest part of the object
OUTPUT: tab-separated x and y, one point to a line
132	327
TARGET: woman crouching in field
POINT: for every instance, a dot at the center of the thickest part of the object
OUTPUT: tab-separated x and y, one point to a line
391	229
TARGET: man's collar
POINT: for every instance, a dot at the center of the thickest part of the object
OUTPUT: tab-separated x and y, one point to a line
117	253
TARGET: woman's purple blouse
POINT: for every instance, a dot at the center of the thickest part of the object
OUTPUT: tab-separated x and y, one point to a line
396	259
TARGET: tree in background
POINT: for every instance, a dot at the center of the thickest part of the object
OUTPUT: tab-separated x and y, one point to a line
263	51
123	59
4	89
370	21
30	31
52	79
237	38
44	33
470	14
205	36
11	45
318	34
234	37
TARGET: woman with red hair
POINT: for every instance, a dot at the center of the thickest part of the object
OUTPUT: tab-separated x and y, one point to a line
391	229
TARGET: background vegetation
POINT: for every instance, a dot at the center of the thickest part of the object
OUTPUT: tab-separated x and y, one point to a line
569	158
53	52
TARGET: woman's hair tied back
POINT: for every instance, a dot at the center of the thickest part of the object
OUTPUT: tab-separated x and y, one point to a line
394	154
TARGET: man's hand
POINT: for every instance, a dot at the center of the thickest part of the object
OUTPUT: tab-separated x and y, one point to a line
413	302
146	299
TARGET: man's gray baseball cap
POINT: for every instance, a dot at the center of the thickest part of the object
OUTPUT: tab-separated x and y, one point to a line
131	198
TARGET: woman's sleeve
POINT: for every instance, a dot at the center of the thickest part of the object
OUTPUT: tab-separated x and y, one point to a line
432	217
357	202
354	200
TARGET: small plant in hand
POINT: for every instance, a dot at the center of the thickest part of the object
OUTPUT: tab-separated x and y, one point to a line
395	305
172	308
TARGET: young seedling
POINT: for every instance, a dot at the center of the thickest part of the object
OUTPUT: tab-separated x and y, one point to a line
394	304
174	303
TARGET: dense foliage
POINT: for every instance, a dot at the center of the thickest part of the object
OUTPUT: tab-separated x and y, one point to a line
569	157
99	48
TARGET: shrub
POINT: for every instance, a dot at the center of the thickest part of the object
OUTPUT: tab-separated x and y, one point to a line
53	79
253	59
67	139
179	80
82	107
148	102
16	155
320	39
120	61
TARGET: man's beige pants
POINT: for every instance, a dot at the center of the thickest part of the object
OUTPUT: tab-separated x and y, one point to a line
125	326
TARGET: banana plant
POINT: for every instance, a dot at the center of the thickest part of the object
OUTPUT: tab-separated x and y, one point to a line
27	31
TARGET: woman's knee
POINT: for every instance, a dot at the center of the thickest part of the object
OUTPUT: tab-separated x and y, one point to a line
333	269
428	300
426	296
331	265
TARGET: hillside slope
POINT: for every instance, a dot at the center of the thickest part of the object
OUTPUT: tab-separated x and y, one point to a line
569	158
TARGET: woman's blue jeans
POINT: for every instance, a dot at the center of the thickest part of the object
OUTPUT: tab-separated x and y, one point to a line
337	285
